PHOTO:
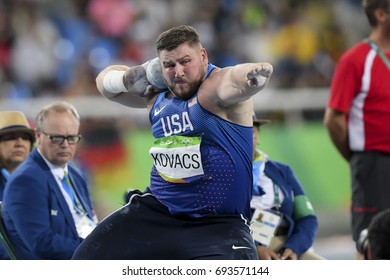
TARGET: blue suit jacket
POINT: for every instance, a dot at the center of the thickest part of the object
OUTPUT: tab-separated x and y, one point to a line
3	252
2	185
302	230
36	214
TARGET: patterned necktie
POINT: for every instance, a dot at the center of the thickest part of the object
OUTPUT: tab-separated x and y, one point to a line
68	186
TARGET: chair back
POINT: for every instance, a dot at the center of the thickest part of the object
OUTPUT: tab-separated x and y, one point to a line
4	239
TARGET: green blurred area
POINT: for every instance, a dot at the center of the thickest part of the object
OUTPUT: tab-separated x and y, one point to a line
323	173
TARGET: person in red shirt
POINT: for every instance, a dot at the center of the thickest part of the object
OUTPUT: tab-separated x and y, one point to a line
358	116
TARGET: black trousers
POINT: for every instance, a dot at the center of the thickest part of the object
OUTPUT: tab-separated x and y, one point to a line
370	178
144	229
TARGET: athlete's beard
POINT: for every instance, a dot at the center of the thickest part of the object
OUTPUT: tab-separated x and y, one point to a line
193	88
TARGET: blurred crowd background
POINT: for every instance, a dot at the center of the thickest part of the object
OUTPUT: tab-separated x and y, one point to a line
55	48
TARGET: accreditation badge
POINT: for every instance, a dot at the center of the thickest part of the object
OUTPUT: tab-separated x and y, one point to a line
264	225
85	226
178	159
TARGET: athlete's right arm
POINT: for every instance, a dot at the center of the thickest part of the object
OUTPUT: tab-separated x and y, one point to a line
128	86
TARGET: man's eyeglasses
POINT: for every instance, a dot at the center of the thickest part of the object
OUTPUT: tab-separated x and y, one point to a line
59	139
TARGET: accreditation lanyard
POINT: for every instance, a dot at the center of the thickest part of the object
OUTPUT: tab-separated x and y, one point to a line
69	188
379	52
276	193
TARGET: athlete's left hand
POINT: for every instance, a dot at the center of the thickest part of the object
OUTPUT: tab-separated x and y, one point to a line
258	76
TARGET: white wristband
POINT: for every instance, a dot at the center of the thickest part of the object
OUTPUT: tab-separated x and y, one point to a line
113	81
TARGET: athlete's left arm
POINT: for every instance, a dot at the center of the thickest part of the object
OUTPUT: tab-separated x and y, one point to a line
238	83
227	92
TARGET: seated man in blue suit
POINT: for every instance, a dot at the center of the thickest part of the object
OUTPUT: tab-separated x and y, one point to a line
47	205
284	223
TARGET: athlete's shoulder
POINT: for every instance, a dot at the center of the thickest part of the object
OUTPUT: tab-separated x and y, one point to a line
211	71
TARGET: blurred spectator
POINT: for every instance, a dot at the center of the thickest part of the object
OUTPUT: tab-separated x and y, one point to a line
69	38
33	62
112	17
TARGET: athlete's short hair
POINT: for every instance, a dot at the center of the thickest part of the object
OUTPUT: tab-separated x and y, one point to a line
172	38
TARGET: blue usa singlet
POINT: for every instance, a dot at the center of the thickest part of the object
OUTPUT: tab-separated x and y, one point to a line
202	164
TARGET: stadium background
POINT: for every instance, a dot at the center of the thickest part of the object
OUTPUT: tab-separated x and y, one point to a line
52	50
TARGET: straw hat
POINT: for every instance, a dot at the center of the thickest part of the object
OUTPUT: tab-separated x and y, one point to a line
14	121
